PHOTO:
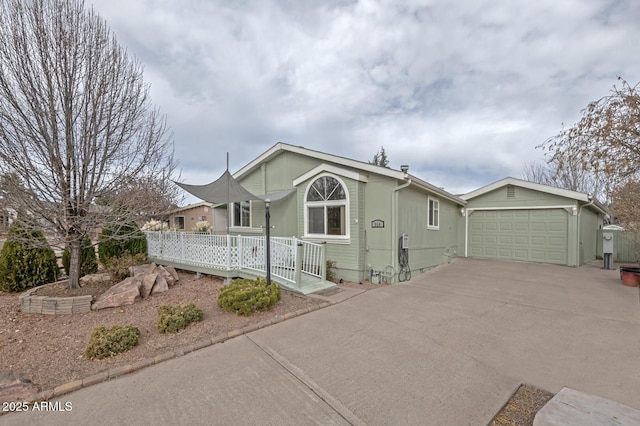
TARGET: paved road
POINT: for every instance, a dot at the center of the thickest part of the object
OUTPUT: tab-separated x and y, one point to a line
447	348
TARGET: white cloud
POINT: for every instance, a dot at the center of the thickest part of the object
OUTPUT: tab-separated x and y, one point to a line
462	91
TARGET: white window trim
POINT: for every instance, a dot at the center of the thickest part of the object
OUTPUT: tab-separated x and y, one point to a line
344	239
184	223
437	205
233	216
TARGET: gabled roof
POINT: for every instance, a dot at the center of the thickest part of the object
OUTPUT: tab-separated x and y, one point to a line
362	166
579	196
192	206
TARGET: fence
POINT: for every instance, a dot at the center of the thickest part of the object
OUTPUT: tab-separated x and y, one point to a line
625	247
289	256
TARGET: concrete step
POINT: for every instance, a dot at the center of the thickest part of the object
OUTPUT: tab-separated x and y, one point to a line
574	408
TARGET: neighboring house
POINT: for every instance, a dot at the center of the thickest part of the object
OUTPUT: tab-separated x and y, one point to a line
7	216
185	218
513	219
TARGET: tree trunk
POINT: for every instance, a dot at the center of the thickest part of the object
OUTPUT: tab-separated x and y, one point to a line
74	263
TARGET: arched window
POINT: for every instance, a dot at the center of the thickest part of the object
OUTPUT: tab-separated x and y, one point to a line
326	208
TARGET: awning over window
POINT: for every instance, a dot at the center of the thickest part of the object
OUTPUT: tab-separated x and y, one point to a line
227	190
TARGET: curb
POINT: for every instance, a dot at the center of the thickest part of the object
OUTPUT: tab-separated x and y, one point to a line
112	373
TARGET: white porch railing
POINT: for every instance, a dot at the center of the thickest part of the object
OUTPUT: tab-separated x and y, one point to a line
290	257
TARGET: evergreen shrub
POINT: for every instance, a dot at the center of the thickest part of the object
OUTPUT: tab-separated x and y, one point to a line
244	296
107	342
172	319
26	260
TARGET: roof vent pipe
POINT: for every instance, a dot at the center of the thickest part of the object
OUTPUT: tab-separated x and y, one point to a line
404	168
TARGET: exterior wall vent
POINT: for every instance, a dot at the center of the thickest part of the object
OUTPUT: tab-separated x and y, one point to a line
511	191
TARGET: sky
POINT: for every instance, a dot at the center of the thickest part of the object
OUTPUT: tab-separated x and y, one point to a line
462	91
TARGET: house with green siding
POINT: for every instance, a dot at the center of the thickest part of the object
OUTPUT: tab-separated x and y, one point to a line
386	225
377	223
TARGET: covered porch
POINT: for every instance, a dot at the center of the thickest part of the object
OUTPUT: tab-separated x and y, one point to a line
296	265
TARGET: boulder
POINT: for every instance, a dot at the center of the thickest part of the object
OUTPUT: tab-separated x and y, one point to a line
95	278
160	285
173	272
14	387
141	269
162	271
148	281
124	293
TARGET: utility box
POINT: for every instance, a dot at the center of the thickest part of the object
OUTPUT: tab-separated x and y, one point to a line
607	249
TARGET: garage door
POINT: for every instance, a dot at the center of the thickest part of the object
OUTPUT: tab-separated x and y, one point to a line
527	235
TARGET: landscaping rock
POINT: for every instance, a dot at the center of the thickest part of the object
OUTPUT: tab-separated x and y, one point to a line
124	293
95	278
14	387
141	269
160	285
162	271
148	281
173	272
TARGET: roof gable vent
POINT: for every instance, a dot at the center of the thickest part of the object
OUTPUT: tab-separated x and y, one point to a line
511	191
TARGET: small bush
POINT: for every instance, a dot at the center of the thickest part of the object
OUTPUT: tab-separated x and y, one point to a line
88	258
26	260
119	266
172	319
245	296
107	342
116	241
202	226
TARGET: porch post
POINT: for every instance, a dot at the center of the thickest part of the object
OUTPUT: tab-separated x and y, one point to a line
323	262
298	262
267	216
228	252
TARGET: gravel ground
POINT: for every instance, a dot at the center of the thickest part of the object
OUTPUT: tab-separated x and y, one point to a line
48	349
522	407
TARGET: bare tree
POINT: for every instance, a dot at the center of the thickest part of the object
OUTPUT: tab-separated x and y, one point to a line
606	140
76	121
567	175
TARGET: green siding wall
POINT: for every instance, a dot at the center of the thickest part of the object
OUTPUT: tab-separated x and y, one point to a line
580	229
589	224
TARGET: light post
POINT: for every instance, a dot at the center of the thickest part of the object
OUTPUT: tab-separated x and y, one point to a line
267	216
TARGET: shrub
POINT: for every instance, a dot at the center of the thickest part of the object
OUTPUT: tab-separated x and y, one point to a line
172	319
114	242
26	260
155	225
107	342
119	267
88	259
245	296
202	226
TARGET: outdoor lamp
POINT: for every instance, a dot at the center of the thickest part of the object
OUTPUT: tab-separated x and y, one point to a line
267	217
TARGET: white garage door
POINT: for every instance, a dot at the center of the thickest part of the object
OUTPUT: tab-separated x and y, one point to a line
527	235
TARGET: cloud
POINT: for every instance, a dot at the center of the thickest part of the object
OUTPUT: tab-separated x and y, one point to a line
462	91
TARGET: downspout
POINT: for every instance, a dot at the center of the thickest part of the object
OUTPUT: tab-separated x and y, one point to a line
394	223
467	212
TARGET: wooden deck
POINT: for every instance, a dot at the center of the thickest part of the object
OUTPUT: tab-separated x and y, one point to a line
296	265
309	283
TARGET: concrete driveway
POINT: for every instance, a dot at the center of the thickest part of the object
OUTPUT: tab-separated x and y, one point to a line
449	347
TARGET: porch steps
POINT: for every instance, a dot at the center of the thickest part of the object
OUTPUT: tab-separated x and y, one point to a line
311	284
